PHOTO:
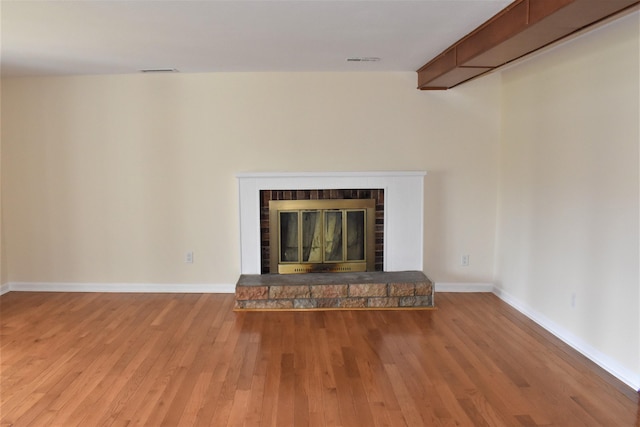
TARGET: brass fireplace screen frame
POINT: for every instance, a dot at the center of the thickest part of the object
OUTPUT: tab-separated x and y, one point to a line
341	208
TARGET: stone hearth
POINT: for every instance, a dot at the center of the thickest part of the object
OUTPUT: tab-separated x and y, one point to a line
334	291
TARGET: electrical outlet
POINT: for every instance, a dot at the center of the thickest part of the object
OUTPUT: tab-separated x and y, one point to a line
573	300
188	257
464	260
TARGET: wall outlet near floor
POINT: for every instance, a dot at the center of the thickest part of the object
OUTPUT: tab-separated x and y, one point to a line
573	300
188	257
464	260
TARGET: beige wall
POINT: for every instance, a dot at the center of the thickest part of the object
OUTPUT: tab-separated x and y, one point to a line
112	178
3	270
569	195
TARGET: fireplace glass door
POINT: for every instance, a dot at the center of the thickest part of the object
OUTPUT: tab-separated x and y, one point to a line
327	235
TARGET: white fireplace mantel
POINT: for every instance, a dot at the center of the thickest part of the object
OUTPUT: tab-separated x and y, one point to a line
403	210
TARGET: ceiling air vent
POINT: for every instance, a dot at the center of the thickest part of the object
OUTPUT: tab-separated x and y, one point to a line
160	70
363	59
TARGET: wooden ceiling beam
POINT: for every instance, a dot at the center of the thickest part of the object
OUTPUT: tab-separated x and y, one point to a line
521	28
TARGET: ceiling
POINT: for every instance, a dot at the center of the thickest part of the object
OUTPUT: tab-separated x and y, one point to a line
62	37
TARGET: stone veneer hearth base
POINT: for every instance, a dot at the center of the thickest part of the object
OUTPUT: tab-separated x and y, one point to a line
335	291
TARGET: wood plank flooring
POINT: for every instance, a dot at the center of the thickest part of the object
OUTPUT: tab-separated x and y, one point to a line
70	359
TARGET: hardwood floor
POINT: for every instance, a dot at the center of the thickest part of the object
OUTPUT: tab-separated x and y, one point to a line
189	360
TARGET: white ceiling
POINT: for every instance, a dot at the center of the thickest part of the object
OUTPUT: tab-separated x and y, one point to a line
113	36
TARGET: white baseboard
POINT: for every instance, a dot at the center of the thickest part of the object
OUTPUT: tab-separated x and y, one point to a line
625	375
183	288
189	288
463	287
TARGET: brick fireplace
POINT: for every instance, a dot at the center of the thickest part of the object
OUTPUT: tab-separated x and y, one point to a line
398	280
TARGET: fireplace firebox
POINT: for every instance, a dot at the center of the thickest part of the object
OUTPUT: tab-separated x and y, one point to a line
322	235
270	250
